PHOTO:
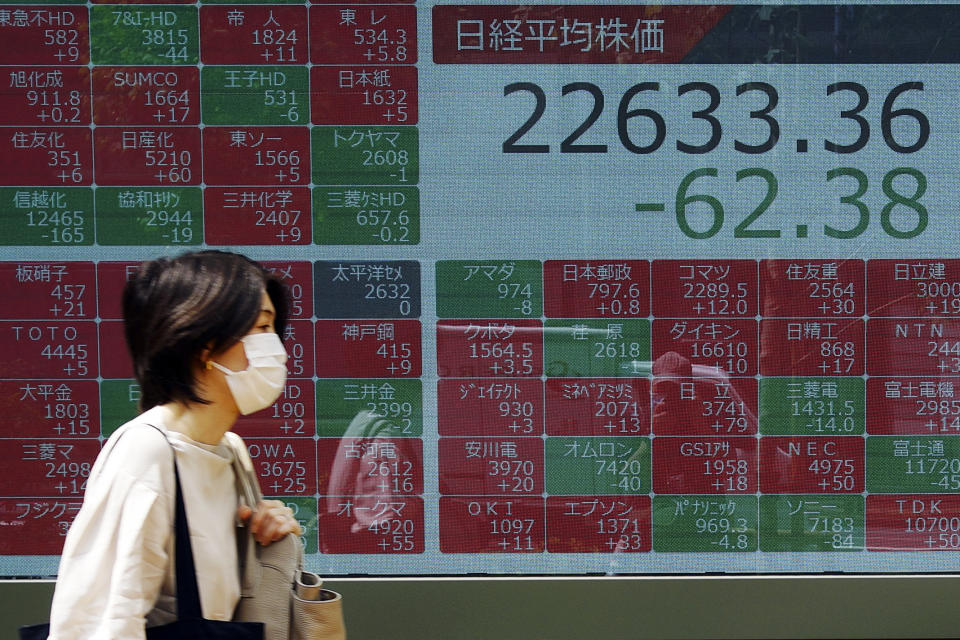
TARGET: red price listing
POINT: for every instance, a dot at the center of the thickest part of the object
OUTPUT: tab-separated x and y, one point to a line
45	155
385	467
568	34
728	345
492	525
492	466
707	405
695	288
151	96
812	465
49	291
705	465
913	522
111	278
812	347
259	155
298	339
46	96
383	34
908	347
371	524
261	216
297	276
35	526
830	288
50	408
115	362
363	95
913	288
253	35
596	288
156	156
913	406
598	407
368	348
292	415
55	468
45	35
489	348
484	407
286	466
49	349
598	524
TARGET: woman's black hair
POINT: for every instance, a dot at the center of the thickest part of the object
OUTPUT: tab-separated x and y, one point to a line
175	308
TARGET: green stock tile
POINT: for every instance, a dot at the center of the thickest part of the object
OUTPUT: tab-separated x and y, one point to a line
144	34
366	215
812	406
597	466
118	403
705	523
46	216
362	155
913	464
366	407
489	288
812	523
593	348
149	216
262	95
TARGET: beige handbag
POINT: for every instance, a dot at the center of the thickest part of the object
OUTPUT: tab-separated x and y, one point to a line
274	588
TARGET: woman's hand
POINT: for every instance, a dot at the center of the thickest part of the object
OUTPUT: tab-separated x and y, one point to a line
270	522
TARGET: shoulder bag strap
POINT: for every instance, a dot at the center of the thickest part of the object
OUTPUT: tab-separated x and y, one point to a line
188	593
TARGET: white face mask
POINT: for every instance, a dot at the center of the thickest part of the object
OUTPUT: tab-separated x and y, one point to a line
261	383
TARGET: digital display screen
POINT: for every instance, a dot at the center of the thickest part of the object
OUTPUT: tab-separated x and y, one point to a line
597	288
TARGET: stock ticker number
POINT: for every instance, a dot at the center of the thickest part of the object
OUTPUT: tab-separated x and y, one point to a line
627	112
643	130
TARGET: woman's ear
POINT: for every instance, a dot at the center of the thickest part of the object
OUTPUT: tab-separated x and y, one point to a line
202	371
203	358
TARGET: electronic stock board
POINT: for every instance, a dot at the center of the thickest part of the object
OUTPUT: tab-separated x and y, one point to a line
596	288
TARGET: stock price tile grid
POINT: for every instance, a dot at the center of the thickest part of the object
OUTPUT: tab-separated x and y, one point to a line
738	406
180	124
608	406
342	446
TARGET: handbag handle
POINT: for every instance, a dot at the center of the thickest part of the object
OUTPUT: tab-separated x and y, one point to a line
248	489
247	485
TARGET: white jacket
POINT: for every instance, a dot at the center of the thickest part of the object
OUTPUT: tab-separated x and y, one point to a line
117	572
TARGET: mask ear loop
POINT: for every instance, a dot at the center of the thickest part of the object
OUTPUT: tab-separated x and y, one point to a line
211	365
